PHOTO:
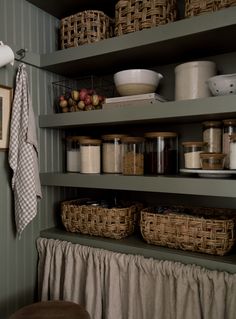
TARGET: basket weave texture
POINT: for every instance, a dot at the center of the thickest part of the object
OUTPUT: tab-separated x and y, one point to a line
205	230
117	222
85	27
135	15
198	7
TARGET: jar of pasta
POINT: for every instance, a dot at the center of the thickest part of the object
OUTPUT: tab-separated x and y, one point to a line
132	155
111	153
161	149
212	135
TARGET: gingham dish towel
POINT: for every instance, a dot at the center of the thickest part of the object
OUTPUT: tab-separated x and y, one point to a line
23	153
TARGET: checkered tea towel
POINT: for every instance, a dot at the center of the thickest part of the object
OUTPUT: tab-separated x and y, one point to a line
23	153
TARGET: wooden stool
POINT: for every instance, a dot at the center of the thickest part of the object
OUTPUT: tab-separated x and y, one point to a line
51	309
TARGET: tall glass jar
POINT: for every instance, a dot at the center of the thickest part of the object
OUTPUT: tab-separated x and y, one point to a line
132	155
229	128
90	156
73	153
161	153
111	153
212	135
232	151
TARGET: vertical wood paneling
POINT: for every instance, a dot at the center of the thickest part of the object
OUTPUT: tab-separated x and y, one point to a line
22	25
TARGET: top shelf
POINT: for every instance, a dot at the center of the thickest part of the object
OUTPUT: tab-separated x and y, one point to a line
183	40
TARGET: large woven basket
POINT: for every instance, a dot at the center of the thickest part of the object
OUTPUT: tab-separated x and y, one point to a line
197	7
117	222
133	15
205	230
85	27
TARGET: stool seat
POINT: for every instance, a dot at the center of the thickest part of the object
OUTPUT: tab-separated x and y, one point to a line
52	309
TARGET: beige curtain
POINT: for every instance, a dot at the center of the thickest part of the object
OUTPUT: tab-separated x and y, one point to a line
119	286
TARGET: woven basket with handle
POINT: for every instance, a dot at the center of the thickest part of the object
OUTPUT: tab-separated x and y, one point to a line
116	222
133	15
197	7
205	230
85	27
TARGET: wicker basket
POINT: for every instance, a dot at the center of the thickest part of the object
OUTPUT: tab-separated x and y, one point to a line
116	222
133	15
85	27
197	7
205	230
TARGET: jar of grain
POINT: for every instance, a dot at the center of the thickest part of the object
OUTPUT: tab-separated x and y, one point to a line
212	161
111	153
229	128
232	152
212	135
192	151
90	156
132	155
161	149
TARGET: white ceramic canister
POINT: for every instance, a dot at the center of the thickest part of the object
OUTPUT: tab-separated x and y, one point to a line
191	77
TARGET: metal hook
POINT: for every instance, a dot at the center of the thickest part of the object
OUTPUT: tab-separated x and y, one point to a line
21	53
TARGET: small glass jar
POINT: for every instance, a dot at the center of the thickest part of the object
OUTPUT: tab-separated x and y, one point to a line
192	151
212	161
73	153
232	152
132	155
112	153
161	153
212	135
90	156
229	128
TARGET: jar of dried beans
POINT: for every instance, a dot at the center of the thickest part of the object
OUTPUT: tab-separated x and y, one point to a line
132	155
161	153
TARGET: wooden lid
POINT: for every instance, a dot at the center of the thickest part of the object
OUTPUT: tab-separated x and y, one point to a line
88	141
194	143
113	136
160	134
132	139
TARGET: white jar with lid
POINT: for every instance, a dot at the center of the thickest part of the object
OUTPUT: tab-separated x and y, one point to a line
192	151
90	156
191	77
112	153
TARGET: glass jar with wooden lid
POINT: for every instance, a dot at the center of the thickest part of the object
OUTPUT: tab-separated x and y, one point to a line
73	153
132	155
90	156
161	153
212	161
229	128
212	135
192	151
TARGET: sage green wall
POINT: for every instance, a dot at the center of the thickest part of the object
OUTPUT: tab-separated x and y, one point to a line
22	25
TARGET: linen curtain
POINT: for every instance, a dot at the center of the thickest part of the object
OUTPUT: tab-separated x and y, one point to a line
119	286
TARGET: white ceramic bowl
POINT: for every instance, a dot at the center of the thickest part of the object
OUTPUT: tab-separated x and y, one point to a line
222	84
136	81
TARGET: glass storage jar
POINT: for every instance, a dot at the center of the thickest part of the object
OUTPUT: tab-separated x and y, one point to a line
212	161
232	152
161	153
132	155
111	153
90	156
73	153
192	151
212	135
229	128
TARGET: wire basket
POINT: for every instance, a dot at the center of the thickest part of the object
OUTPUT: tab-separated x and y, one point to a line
198	7
85	27
100	218
199	229
133	15
83	94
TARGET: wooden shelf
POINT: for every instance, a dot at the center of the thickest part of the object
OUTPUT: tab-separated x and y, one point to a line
161	184
190	38
219	107
137	246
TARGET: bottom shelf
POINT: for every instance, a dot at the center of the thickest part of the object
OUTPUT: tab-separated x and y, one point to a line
137	246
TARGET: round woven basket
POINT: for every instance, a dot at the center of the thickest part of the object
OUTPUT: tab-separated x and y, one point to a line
198	7
133	15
